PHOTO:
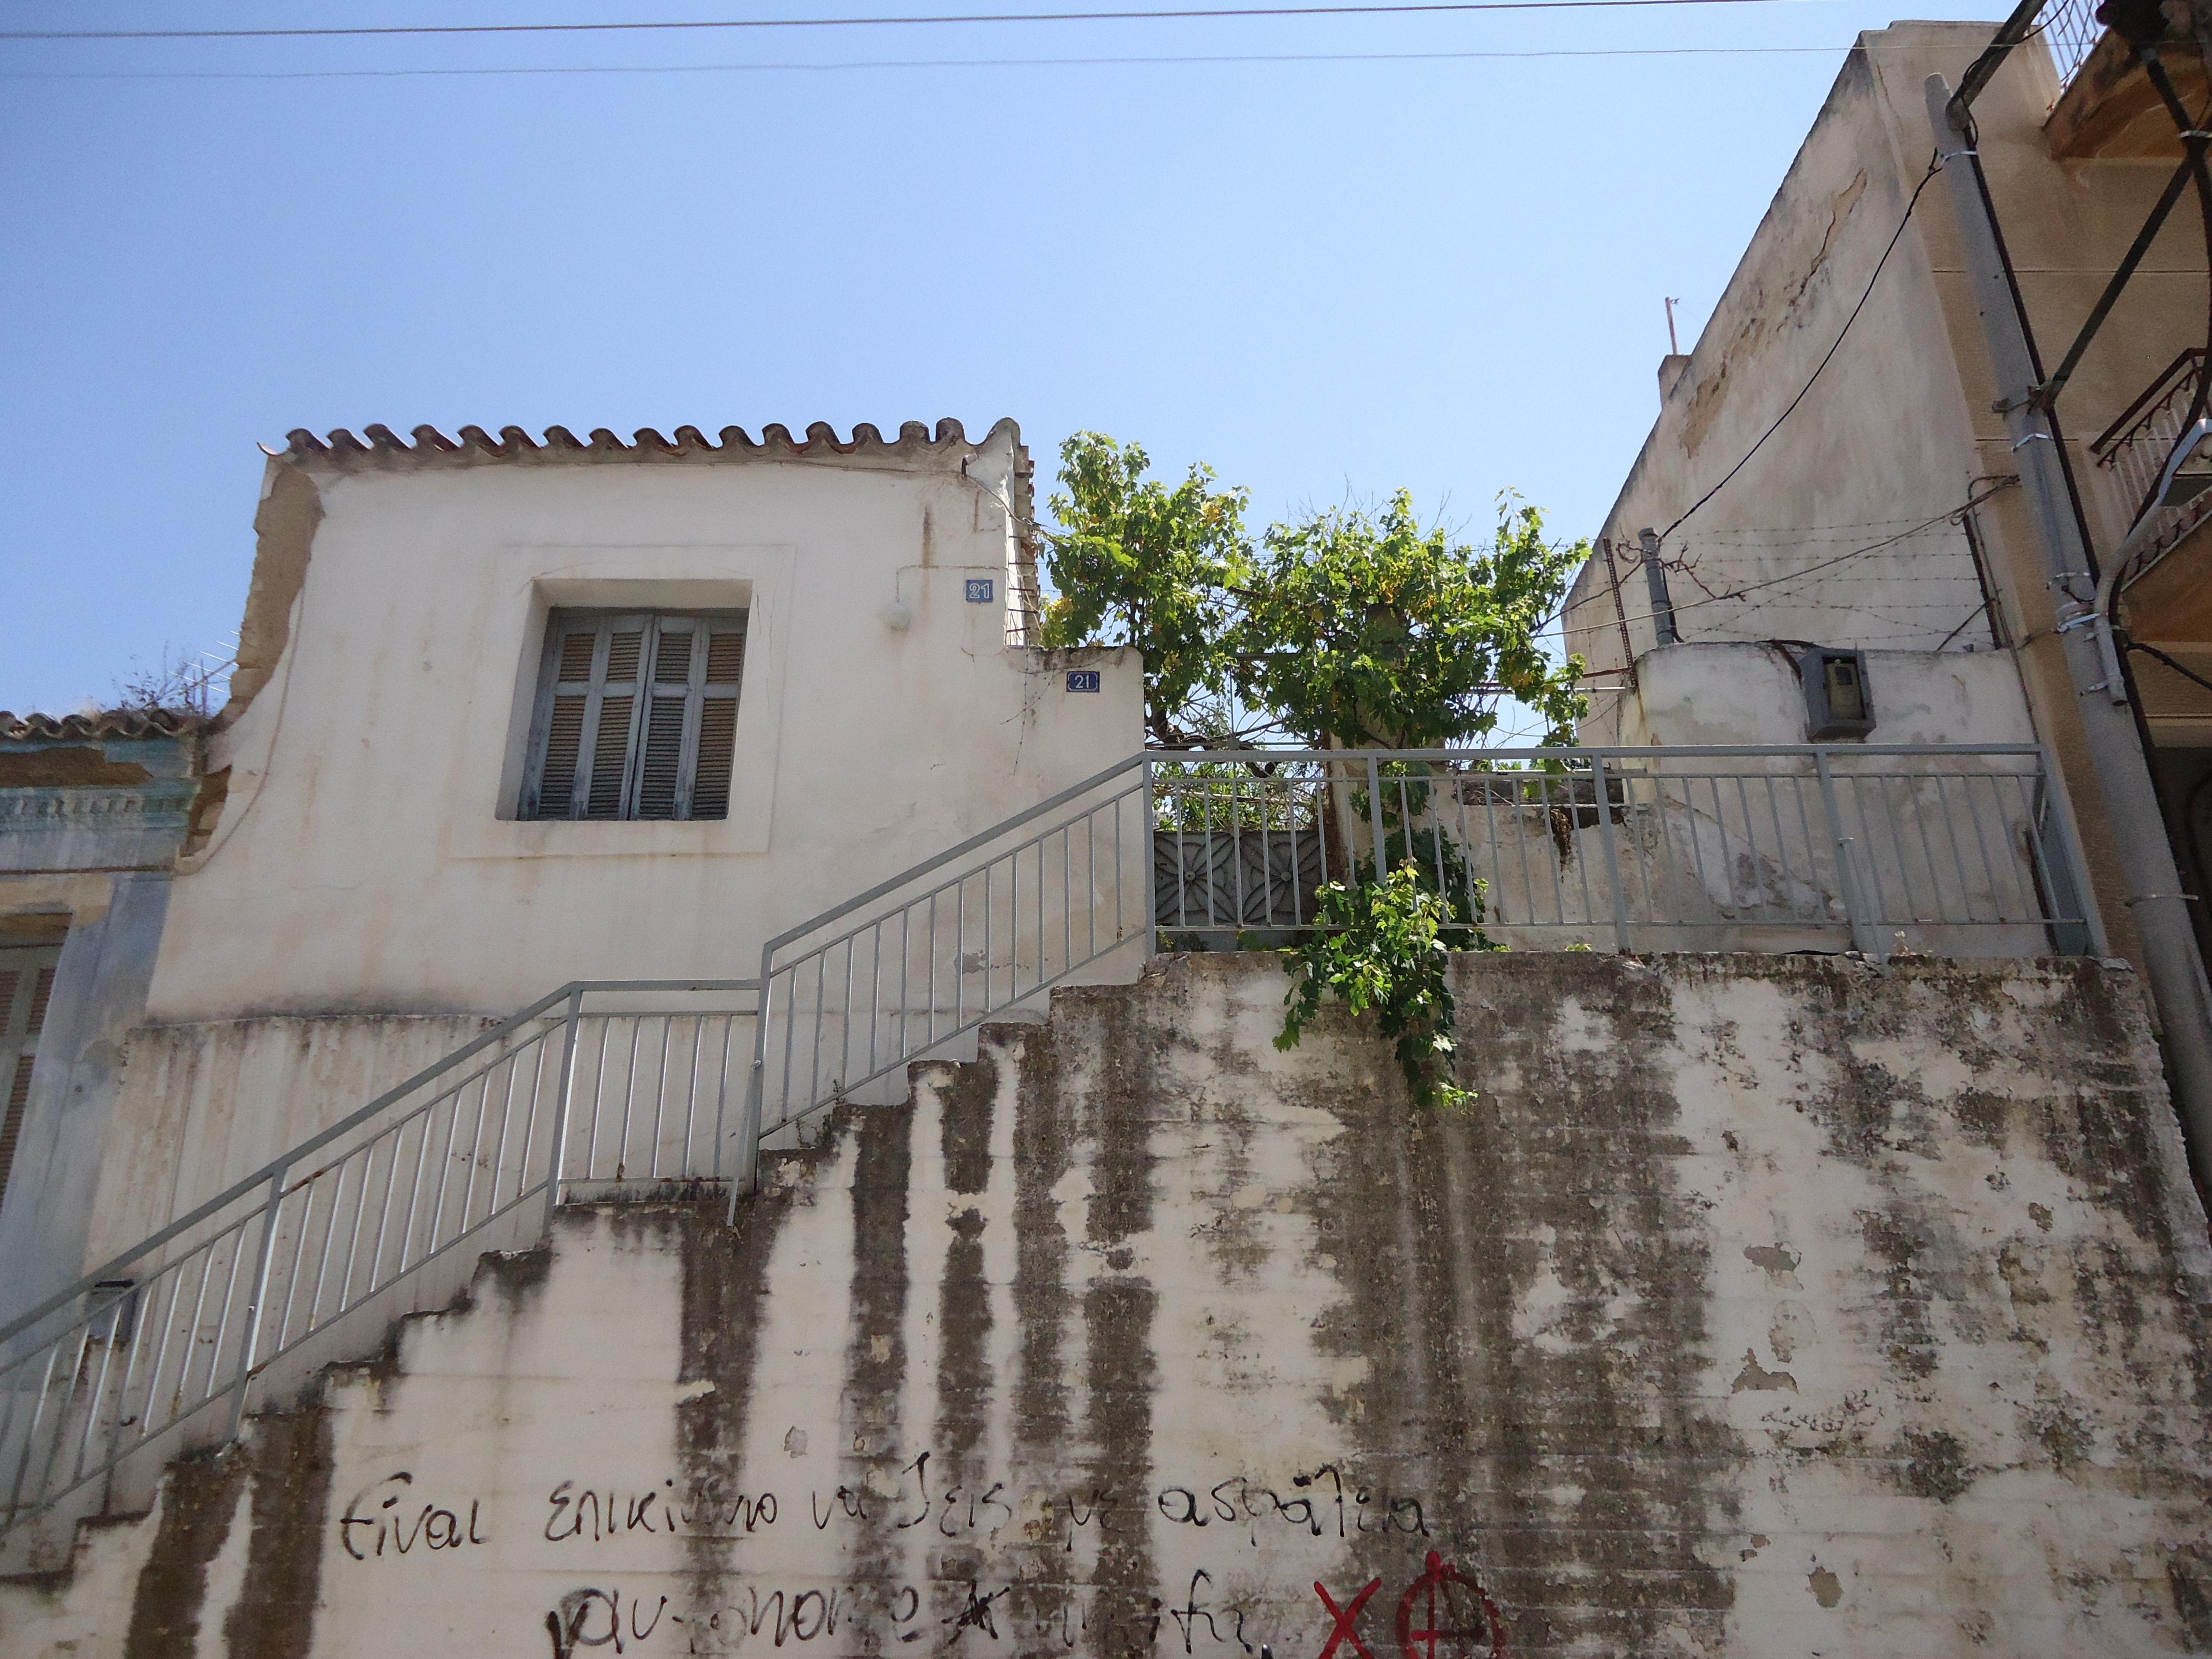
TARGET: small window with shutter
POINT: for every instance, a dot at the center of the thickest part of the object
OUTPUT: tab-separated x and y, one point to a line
637	715
26	984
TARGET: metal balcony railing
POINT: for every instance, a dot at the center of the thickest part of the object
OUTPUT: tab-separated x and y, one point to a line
2132	452
1959	851
2072	31
629	1090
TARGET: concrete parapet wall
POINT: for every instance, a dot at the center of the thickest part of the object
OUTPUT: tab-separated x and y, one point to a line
1756	1306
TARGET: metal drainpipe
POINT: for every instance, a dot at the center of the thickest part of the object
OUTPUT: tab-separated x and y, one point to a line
1654	578
2178	985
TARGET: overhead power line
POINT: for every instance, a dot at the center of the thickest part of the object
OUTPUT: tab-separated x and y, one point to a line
905	63
854	22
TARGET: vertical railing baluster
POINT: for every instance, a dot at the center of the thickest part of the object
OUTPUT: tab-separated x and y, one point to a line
1599	787
744	1175
556	1156
1846	881
250	1348
1380	848
1151	863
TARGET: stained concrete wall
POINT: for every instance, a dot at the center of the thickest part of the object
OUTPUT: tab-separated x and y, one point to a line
1755	1306
1742	692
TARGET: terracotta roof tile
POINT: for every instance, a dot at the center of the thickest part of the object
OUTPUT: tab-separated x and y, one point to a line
379	447
109	723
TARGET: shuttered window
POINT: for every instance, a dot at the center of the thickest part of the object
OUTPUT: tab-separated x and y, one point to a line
27	984
637	715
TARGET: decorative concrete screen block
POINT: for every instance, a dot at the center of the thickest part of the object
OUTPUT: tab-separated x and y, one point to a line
1756	1306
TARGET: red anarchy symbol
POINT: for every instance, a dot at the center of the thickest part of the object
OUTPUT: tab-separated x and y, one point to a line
1344	1616
1435	1585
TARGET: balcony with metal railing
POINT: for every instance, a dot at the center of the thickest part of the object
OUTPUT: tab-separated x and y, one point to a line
2070	29
2132	452
2106	105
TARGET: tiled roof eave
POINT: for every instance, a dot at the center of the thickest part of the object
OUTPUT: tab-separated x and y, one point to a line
379	448
109	723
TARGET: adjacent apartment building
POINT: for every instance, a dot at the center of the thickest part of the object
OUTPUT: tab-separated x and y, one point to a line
1863	499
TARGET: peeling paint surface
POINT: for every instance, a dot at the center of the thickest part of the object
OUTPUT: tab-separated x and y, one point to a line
1755	1306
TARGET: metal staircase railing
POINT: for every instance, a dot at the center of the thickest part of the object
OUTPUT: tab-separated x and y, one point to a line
304	1261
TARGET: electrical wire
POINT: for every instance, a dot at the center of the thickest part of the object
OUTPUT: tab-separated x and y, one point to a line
911	62
1968	506
1935	166
1422	6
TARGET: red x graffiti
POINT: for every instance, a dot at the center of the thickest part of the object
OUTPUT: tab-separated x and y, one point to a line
1344	1616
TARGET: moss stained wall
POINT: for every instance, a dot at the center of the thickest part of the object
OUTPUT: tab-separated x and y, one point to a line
1756	1306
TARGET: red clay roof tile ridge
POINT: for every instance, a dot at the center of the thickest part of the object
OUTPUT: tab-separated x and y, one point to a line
379	447
107	723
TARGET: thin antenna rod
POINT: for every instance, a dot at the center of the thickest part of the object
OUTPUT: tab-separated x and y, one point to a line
1674	346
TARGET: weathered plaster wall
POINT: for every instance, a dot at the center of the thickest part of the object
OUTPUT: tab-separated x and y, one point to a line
203	1105
90	825
1756	1306
1716	693
99	993
1881	442
365	857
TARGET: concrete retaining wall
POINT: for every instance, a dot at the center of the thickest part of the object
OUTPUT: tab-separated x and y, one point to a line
1757	1306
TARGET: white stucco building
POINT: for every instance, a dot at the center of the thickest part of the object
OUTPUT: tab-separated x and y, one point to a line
441	789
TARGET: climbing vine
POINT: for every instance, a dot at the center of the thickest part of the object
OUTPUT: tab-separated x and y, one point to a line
1381	945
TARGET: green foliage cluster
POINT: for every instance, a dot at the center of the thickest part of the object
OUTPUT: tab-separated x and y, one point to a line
1381	946
1376	635
1158	566
1346	629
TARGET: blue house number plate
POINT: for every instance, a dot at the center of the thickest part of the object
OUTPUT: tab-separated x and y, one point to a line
980	590
1083	679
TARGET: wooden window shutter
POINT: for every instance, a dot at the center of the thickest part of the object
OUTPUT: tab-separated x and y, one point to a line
636	716
718	719
27	985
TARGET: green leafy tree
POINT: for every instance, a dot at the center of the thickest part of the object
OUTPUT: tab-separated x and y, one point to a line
1135	563
1370	632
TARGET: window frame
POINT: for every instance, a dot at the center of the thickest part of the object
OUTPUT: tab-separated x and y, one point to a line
644	690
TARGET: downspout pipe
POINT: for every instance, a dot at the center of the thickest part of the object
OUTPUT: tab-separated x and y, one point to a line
2179	990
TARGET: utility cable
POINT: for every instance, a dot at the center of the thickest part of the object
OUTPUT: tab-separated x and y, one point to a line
913	63
854	22
1966	505
1934	167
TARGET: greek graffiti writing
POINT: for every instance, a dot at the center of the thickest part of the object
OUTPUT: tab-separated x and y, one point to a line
851	1501
1442	1613
788	1615
375	1520
592	1618
1242	1500
1188	1615
597	1515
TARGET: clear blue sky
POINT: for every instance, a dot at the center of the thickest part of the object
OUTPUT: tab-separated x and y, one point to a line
1319	277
